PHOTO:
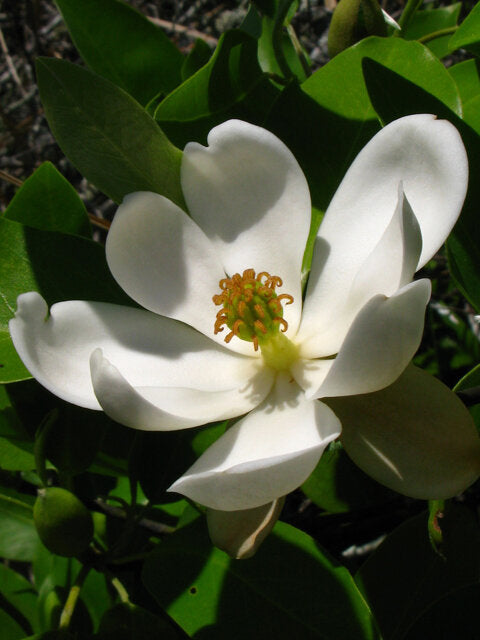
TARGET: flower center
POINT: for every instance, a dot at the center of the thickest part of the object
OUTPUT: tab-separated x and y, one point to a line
252	310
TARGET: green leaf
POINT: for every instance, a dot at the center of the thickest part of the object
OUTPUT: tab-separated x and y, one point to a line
105	133
290	589
338	485
19	598
59	266
18	537
16	447
394	97
276	52
230	85
468	34
198	57
467	78
405	577
11	630
428	22
47	201
122	45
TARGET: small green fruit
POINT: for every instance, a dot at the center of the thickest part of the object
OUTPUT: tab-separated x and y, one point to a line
63	523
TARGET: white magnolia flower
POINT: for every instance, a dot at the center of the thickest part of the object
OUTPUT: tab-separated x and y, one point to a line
224	332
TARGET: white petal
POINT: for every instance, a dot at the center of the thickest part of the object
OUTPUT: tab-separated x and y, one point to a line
266	455
310	374
240	533
390	266
381	342
428	157
148	349
249	195
164	261
415	436
169	408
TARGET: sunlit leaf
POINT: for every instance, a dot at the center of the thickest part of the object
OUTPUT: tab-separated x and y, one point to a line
291	588
47	201
106	134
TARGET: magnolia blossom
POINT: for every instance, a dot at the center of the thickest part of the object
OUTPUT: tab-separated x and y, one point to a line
225	332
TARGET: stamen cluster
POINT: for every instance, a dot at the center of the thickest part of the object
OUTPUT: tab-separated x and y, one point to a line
252	310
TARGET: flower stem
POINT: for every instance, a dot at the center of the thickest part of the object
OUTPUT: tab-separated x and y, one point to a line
72	598
410	10
437	34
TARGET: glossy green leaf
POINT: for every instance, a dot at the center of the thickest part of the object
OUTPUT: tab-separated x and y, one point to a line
59	266
47	201
290	589
276	52
468	34
393	97
431	21
338	485
467	78
21	597
106	134
18	537
197	58
122	45
230	85
405	577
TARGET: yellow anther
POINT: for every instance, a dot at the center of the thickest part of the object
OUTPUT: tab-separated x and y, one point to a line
252	310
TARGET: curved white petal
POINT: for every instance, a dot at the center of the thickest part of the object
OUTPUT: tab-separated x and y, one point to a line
148	349
249	195
240	533
164	261
266	455
390	266
425	155
415	436
309	374
380	343
170	408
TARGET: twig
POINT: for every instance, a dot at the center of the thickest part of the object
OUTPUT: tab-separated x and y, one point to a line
10	65
179	28
99	222
9	178
155	527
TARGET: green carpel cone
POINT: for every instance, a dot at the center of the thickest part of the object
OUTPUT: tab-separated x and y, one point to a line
63	523
352	21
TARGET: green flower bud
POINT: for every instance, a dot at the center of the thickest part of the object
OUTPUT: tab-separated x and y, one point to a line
63	523
352	21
